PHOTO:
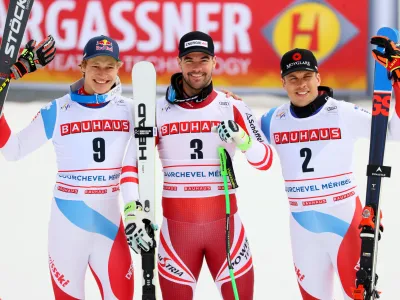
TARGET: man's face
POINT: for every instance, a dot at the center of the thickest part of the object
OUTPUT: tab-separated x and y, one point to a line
197	68
100	74
301	86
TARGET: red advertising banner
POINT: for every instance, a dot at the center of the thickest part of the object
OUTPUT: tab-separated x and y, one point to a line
250	36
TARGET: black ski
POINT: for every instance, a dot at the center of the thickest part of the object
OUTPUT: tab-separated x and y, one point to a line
370	224
14	29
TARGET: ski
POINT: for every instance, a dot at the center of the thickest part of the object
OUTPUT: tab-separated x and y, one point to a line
144	96
14	29
366	277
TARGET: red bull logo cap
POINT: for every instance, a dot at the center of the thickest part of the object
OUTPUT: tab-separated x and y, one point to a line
101	45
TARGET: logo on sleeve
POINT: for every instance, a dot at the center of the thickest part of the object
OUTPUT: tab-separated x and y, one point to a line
281	114
166	108
224	103
356	107
65	107
332	109
121	102
253	127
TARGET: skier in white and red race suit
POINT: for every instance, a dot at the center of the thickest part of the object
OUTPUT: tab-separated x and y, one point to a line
90	128
314	135
193	200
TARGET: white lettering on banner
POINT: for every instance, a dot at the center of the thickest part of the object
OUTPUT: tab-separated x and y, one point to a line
162	23
149	26
162	64
232	66
64	62
94	23
179	22
236	32
206	14
33	27
68	40
122	25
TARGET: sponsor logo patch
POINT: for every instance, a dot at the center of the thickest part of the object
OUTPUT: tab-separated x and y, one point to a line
194	43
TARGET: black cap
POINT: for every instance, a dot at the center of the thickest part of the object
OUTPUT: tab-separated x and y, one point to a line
298	60
99	46
196	41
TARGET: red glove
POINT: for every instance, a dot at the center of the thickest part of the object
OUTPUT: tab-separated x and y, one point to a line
391	58
34	57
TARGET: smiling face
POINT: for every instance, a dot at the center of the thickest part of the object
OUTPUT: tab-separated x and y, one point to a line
100	74
197	68
301	87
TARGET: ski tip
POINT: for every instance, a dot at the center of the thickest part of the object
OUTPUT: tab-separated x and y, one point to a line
391	33
143	67
144	74
143	63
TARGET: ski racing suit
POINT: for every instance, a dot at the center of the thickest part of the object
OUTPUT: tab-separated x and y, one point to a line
193	200
85	226
316	160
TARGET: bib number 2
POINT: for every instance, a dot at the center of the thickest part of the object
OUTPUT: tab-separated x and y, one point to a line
306	152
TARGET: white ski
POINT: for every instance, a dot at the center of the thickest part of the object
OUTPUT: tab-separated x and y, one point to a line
144	96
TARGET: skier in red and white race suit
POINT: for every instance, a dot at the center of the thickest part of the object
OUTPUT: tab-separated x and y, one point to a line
193	200
90	128
314	135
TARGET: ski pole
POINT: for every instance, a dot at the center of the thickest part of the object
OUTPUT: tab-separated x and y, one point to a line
224	158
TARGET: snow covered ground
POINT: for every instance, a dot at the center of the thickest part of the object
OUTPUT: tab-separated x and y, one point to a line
26	191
